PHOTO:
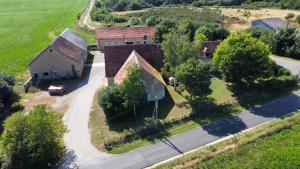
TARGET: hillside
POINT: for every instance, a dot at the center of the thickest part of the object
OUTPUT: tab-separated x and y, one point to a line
26	27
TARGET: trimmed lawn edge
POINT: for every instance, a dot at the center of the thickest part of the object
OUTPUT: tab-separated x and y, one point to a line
229	143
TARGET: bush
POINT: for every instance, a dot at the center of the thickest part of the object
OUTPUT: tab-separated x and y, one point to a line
180	88
134	21
111	100
151	21
17	106
280	83
119	19
279	70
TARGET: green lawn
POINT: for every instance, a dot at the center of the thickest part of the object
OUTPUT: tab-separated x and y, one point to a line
174	106
27	26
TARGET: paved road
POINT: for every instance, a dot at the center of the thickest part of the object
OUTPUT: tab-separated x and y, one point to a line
86	17
293	66
80	150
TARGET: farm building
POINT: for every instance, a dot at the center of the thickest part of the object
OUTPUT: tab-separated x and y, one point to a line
121	36
63	58
208	49
115	57
152	79
270	23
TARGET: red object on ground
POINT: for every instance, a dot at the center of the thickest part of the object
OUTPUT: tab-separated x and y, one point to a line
56	90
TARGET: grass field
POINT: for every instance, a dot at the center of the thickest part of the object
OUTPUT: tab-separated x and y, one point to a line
273	145
27	26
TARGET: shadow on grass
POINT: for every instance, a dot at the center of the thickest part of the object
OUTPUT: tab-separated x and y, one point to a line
249	97
129	121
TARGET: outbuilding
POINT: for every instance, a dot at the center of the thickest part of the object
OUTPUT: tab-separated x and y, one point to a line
271	24
122	36
152	79
63	58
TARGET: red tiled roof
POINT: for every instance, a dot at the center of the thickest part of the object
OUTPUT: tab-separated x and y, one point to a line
135	58
127	32
115	56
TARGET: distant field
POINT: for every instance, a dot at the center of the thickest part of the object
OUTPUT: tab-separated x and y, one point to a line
27	26
248	15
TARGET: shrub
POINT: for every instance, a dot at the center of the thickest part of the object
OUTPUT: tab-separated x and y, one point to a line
134	21
279	70
275	84
151	21
17	106
111	100
119	19
180	88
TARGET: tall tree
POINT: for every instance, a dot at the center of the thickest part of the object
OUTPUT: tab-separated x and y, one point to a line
34	140
177	50
242	59
133	87
195	76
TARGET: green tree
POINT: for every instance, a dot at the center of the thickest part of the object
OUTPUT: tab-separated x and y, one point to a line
177	50
151	21
195	76
286	43
187	28
200	38
111	100
33	140
165	27
133	87
242	59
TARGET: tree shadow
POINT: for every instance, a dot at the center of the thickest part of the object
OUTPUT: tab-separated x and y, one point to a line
278	108
225	126
129	121
249	97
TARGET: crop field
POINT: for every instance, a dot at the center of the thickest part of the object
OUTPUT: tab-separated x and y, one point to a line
27	26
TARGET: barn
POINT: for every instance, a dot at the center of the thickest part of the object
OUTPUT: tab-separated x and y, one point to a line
63	58
115	57
152	79
122	36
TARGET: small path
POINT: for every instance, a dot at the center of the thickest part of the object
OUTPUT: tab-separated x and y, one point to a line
86	16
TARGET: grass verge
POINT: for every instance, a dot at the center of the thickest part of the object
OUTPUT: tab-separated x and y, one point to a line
271	145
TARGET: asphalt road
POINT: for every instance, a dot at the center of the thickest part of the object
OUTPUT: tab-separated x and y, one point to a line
293	66
82	154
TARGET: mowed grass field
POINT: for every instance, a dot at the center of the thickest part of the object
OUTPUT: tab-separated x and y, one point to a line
281	150
27	26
